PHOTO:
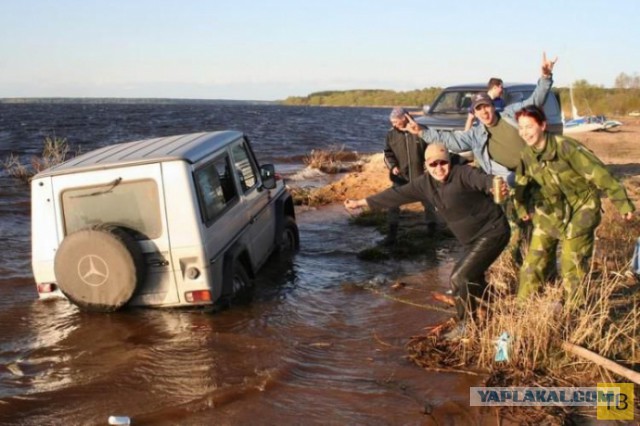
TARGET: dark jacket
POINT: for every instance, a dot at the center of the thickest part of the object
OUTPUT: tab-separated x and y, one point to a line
463	201
405	151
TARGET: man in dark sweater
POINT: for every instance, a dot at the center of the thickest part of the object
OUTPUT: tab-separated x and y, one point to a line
404	157
461	194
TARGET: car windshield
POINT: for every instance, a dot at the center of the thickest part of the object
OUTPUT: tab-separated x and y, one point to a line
453	102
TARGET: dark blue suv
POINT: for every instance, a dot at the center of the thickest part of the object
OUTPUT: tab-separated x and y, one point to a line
449	110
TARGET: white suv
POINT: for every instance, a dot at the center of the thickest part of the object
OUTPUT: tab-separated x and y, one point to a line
174	221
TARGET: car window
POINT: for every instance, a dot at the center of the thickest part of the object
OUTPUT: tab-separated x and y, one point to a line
133	205
453	102
246	169
551	106
519	96
215	187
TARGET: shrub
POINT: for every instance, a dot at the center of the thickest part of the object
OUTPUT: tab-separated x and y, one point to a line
334	160
55	151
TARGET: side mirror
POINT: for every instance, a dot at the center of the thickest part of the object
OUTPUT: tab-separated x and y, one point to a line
268	174
426	108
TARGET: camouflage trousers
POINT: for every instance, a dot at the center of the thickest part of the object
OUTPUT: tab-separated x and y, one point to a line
520	232
575	254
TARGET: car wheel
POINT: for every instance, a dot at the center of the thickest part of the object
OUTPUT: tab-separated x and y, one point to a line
290	237
241	286
99	268
240	281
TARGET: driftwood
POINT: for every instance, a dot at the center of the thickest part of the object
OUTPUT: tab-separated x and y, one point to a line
602	361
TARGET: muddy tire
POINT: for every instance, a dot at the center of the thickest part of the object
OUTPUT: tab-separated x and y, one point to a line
99	269
238	284
240	281
290	237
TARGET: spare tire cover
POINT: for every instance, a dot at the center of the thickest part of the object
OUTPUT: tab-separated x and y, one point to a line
98	269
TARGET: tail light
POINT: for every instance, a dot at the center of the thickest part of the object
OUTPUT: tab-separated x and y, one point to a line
47	287
198	296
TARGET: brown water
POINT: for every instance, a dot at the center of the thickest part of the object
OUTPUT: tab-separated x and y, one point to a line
322	342
319	344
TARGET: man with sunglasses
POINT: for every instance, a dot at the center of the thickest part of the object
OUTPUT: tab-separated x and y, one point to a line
461	195
495	143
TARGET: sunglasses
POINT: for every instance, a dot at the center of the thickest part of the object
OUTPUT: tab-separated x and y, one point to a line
438	163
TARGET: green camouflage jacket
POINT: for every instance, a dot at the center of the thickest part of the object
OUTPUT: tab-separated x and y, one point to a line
568	176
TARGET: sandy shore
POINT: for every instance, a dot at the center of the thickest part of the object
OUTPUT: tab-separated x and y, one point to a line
619	148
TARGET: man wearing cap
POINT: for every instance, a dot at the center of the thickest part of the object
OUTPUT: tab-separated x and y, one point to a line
461	194
495	143
404	157
494	90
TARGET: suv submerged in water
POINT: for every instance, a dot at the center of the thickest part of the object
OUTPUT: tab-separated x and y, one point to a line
450	109
173	221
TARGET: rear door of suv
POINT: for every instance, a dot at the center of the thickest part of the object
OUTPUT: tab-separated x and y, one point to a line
131	198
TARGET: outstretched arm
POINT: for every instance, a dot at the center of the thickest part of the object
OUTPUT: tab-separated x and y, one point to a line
455	140
541	91
547	65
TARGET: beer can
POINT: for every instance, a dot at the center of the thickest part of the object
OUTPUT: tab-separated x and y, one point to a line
497	190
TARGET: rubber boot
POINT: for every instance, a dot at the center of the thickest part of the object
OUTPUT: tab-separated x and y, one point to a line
392	235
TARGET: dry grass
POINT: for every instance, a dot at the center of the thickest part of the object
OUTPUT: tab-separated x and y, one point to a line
311	197
607	324
55	151
333	160
16	169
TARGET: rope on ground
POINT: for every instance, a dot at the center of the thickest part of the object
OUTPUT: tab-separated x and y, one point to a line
407	302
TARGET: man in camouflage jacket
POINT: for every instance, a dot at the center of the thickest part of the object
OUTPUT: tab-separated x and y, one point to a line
566	209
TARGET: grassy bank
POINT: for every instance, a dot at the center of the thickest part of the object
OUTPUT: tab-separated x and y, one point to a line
540	329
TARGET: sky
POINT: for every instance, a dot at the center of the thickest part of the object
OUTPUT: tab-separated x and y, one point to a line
272	49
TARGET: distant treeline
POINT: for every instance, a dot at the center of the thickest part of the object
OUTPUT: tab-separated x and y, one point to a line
596	100
589	99
367	98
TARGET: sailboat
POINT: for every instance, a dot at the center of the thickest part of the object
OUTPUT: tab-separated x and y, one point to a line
590	123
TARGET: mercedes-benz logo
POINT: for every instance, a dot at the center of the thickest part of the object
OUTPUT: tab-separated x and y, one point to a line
93	270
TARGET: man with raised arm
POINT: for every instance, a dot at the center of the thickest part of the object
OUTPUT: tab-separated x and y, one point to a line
495	143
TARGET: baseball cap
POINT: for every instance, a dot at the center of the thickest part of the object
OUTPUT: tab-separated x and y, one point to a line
481	99
436	151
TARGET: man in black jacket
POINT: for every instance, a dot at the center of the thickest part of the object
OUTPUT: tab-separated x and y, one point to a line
404	157
462	196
